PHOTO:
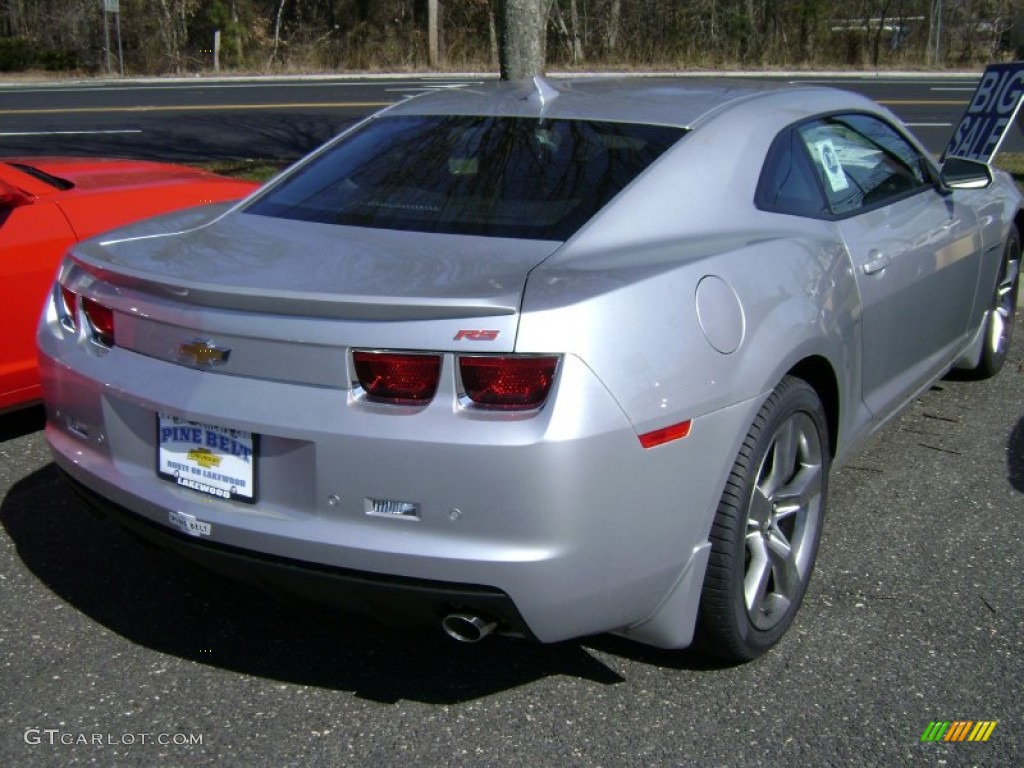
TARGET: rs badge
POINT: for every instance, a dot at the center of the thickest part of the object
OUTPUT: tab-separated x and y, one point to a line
469	335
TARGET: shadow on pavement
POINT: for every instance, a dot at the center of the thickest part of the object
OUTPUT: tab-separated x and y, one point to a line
1015	457
22	422
158	601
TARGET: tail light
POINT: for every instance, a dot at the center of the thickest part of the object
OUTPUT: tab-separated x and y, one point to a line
507	383
101	320
68	309
397	377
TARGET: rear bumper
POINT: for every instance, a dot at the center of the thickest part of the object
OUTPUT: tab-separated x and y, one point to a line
393	601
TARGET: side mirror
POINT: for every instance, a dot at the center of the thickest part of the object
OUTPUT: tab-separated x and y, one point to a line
12	197
958	173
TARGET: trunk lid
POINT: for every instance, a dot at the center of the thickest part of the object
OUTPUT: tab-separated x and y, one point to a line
267	265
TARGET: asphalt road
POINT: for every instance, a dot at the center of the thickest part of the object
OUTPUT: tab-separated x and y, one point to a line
195	120
108	649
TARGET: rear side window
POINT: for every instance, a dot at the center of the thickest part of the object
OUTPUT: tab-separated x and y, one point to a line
862	162
836	166
788	183
495	176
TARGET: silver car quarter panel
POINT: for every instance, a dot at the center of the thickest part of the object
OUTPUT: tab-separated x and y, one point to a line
793	294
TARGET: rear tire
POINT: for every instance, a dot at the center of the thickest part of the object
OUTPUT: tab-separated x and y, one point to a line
1002	313
765	535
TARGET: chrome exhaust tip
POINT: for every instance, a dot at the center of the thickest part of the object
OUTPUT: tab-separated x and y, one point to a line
467	628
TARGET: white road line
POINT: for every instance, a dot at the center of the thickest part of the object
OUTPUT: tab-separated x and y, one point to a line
67	133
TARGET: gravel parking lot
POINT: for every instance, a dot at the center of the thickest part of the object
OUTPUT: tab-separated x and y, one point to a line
115	654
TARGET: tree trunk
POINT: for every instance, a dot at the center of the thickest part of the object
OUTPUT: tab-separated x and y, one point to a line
571	35
614	23
432	25
754	39
173	30
435	33
277	31
876	43
492	34
931	34
577	42
522	37
16	15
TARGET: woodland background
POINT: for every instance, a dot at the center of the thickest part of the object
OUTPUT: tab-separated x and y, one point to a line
176	36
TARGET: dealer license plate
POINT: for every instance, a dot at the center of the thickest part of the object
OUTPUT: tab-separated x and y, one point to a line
207	458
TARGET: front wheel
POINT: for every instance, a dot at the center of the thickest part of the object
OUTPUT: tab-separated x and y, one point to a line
767	527
1002	312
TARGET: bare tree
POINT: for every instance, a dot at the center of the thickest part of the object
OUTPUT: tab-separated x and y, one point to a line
876	42
614	22
15	18
174	16
572	41
168	35
277	31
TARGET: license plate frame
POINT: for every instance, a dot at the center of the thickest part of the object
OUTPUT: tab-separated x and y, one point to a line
209	459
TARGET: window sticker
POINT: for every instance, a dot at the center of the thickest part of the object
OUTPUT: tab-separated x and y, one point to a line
833	170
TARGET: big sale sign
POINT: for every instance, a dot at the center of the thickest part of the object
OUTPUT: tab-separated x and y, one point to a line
993	109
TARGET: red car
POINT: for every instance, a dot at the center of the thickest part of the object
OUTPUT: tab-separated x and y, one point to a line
46	204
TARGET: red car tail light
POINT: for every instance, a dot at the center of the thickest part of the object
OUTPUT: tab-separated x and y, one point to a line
398	377
507	382
68	309
101	319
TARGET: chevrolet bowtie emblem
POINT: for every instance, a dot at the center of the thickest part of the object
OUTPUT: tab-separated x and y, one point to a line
202	352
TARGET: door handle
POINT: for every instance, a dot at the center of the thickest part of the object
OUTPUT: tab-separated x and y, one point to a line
877	263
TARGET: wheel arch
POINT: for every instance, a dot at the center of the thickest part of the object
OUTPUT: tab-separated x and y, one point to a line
819	374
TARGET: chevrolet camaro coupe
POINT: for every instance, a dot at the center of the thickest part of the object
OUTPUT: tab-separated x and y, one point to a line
548	358
48	203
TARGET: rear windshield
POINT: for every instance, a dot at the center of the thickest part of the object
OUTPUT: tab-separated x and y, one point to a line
495	176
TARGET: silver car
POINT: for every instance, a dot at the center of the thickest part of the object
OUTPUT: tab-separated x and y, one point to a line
547	359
